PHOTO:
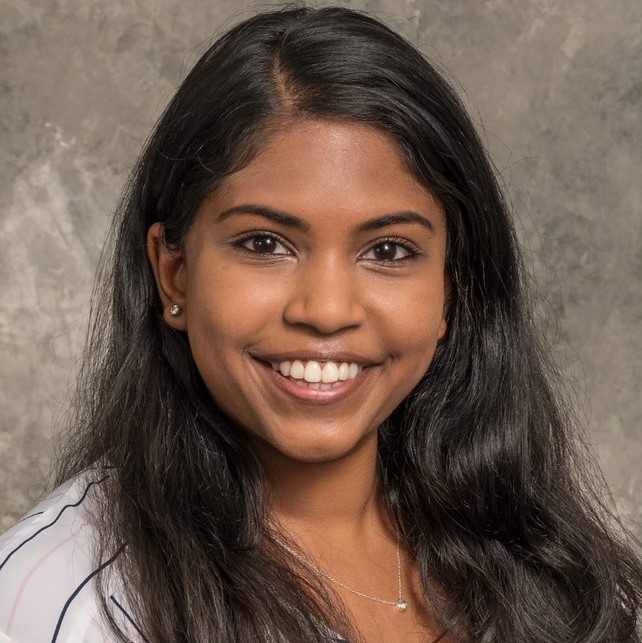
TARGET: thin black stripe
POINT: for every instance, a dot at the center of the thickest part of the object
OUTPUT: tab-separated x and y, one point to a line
75	504
37	513
128	617
30	516
77	591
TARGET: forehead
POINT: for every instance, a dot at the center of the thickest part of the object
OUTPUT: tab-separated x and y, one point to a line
328	168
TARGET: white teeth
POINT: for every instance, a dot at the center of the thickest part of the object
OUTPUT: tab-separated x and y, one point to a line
313	373
284	367
297	370
330	372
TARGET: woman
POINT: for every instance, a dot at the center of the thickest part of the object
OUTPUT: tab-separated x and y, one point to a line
314	407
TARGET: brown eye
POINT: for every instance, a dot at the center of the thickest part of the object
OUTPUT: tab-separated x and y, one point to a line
265	244
388	251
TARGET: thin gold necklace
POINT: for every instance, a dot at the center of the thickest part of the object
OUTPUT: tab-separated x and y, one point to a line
401	605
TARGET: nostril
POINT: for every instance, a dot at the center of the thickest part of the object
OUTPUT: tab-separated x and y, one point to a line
323	321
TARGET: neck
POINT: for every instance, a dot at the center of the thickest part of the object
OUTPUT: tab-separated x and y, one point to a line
338	497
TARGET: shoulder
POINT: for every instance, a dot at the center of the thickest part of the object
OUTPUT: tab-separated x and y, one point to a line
47	568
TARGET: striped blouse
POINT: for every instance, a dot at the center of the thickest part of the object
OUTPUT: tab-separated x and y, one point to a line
47	573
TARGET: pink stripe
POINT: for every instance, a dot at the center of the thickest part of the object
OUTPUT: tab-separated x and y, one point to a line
38	563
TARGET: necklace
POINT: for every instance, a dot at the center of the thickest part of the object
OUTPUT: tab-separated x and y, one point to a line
401	605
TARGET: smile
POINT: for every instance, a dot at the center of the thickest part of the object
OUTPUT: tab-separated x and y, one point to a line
314	372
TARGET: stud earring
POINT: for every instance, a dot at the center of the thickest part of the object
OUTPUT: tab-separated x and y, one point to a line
175	310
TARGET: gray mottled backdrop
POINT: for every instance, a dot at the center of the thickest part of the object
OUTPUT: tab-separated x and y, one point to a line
556	86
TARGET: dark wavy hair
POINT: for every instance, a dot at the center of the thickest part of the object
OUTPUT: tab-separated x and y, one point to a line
479	464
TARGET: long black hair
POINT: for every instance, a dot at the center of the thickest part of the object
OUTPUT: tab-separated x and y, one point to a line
479	464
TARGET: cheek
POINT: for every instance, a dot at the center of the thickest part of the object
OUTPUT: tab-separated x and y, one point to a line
414	330
226	313
215	330
210	329
213	319
415	317
227	304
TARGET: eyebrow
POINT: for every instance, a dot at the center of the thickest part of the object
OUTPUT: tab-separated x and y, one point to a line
407	216
263	211
291	221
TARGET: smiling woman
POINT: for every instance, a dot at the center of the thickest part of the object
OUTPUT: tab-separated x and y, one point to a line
330	283
314	407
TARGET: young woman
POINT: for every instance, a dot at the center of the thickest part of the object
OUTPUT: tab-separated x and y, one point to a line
314	406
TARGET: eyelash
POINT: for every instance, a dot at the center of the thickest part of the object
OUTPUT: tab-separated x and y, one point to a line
411	249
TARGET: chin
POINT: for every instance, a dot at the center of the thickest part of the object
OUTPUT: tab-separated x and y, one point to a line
317	448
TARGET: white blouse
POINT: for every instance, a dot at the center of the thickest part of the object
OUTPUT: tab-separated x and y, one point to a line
47	573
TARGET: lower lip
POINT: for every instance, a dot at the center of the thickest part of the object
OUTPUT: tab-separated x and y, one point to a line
339	390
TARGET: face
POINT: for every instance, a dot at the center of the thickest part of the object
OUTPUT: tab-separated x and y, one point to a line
313	289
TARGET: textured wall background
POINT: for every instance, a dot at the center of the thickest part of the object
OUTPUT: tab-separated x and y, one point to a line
556	84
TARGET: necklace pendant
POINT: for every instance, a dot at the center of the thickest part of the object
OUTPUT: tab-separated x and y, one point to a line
401	605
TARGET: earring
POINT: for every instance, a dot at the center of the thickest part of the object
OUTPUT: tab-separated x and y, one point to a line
175	310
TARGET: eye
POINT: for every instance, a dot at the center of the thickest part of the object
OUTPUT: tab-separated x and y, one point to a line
390	250
264	243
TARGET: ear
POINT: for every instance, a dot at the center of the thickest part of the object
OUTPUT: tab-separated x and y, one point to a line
443	327
168	265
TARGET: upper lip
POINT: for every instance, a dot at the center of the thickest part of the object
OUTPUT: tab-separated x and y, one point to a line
316	355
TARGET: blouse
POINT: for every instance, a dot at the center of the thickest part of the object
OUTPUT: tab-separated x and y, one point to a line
47	573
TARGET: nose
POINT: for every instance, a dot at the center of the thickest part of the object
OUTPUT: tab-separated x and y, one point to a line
325	297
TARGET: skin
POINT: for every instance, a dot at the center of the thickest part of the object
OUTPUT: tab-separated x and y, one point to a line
325	288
